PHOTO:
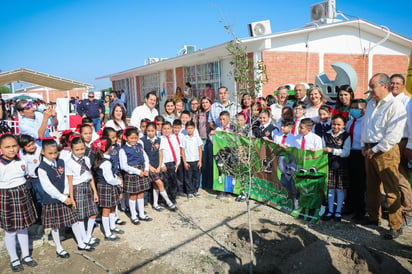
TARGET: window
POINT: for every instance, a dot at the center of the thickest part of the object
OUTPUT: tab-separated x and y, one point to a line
200	75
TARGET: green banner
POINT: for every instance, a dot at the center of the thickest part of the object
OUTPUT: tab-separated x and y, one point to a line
291	180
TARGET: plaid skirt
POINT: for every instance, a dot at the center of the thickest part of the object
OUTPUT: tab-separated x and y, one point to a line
338	178
83	196
58	215
108	195
17	209
154	176
133	183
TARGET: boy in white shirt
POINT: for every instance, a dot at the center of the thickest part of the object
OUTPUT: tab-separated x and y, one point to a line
178	133
299	109
286	139
307	139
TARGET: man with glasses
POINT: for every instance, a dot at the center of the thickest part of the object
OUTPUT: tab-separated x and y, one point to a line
224	104
35	123
114	100
92	108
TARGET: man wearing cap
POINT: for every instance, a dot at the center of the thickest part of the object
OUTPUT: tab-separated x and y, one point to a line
92	108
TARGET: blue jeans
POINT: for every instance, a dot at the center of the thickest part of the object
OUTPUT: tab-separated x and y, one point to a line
96	123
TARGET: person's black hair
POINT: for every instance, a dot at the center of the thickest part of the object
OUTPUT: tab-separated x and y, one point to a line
76	140
119	133
177	122
144	120
325	108
84	126
7	135
24	140
339	106
167	123
188	84
307	122
151	124
265	110
270	100
339	116
107	131
190	123
299	103
359	101
224	113
287	123
208	85
87	120
99	153
397	75
159	118
153	92
48	143
64	140
130	130
241	114
185	112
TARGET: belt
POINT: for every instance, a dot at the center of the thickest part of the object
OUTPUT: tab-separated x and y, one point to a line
370	145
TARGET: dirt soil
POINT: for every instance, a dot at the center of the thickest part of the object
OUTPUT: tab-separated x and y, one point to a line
207	235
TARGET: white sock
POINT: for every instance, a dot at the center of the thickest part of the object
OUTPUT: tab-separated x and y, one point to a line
331	199
10	241
140	204
78	234
132	206
82	231
23	238
56	240
106	226
155	197
340	197
164	195
90	227
112	221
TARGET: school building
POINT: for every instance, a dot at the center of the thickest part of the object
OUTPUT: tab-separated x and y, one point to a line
290	57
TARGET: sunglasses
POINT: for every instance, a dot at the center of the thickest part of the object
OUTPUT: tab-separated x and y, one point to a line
91	96
28	106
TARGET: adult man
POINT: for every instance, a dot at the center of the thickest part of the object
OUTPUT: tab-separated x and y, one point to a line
147	110
208	92
114	100
276	108
382	128
123	98
300	93
398	91
3	112
223	105
92	108
35	123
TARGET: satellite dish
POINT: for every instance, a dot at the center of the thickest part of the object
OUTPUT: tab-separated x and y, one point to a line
259	29
317	12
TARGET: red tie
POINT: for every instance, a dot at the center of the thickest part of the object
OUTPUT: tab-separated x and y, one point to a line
177	137
351	129
294	127
173	151
303	143
283	139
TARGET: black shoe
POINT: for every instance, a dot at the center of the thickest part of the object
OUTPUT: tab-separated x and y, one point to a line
158	208
392	234
63	254
337	217
16	268
181	194
87	248
112	238
172	207
31	262
93	242
327	217
120	222
136	222
117	231
145	218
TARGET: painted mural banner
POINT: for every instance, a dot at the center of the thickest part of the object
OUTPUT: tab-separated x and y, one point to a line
291	180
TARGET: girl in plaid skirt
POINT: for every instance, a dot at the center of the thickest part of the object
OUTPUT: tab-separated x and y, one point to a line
17	211
107	186
337	144
58	207
135	166
151	146
82	188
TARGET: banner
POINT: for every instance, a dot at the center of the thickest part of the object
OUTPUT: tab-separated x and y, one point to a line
291	180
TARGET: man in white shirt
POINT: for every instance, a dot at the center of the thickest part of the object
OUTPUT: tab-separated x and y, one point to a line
300	94
147	110
382	128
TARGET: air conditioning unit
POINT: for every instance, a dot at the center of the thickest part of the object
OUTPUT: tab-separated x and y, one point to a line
260	28
188	49
323	12
152	60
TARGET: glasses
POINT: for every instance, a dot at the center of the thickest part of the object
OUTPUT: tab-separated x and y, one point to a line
28	106
194	103
91	96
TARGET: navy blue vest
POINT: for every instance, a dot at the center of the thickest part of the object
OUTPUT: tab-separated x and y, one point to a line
152	150
266	132
336	162
99	173
90	153
134	154
321	130
56	177
114	158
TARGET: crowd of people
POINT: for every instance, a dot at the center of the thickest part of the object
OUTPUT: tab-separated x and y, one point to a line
110	163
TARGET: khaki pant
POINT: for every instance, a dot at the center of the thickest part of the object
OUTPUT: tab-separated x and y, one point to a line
383	168
405	186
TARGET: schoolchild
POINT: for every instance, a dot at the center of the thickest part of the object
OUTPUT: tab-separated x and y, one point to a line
307	139
299	109
286	138
82	189
135	166
142	129
337	144
30	153
17	210
65	152
191	146
178	133
324	124
169	158
159	120
58	207
86	133
265	129
242	128
108	185
226	126
89	122
151	146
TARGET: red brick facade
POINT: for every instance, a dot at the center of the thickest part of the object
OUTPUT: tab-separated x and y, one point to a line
390	64
180	79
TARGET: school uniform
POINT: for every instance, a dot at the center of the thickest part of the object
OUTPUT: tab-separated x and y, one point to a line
17	209
65	154
133	161
180	173
107	183
171	157
191	144
114	159
285	139
151	147
338	159
295	129
54	182
321	128
266	130
79	168
89	152
310	141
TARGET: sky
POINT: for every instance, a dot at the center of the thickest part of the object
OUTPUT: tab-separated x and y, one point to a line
85	39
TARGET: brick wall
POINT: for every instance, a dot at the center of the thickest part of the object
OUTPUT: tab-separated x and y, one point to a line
169	84
289	67
390	64
180	80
